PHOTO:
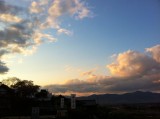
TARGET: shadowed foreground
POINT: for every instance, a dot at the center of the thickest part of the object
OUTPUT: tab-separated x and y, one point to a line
18	102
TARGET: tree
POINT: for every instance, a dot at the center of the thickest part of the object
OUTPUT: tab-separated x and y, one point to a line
42	94
10	81
25	88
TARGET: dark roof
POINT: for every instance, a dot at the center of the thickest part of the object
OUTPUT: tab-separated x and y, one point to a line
4	89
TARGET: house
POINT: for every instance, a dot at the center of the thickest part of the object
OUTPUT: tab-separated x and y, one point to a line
5	91
6	94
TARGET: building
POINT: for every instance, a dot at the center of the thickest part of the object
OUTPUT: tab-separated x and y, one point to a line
6	94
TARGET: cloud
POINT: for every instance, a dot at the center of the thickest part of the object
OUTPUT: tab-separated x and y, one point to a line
74	85
130	71
74	8
35	7
9	18
53	11
23	29
38	36
155	52
91	76
88	73
132	63
15	33
7	8
62	8
3	68
65	31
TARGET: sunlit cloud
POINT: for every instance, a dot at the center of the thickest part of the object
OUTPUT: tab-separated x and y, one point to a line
130	71
88	73
132	63
9	18
155	52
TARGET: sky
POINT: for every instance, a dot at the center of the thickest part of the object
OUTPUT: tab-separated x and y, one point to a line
82	46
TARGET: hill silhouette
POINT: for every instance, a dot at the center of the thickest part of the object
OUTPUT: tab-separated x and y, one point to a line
126	98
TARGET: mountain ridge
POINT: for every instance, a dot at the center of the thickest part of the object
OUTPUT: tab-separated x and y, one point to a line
126	98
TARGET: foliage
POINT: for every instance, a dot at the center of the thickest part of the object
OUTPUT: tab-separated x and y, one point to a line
25	88
42	94
10	81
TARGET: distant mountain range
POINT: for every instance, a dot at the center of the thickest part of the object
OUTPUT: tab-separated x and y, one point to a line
127	98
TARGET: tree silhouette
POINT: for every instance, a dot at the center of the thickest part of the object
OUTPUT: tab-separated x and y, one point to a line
25	88
10	81
42	94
